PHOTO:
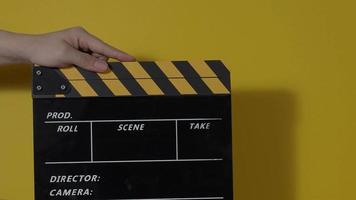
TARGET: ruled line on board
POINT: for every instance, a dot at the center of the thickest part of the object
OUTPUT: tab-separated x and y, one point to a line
91	142
133	120
133	161
177	143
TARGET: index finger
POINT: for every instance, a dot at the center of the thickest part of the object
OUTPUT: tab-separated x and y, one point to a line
98	46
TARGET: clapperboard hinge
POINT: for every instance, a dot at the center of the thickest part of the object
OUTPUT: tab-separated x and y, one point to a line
169	78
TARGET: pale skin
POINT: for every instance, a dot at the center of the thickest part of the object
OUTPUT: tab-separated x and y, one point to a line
73	46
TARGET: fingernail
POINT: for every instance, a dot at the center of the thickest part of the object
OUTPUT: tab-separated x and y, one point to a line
101	65
131	57
127	57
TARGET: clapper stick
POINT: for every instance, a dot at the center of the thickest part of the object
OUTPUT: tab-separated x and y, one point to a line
142	130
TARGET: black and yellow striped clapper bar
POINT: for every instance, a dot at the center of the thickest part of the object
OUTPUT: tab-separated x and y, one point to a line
170	78
142	130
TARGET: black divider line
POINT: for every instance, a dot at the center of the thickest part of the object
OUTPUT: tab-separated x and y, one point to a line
192	77
221	71
72	91
159	78
127	79
96	83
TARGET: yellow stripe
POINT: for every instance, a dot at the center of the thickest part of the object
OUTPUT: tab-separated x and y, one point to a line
150	86
83	88
136	70
145	81
107	75
202	68
60	96
216	85
114	84
143	78
182	86
78	81
169	69
72	73
117	87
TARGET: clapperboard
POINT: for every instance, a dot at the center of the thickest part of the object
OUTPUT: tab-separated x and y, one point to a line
142	130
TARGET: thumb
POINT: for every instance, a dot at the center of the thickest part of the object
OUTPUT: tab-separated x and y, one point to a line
87	61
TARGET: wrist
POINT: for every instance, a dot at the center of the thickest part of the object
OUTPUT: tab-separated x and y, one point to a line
15	48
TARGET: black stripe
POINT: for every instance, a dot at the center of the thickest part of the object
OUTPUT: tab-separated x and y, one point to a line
221	71
88	74
159	78
96	83
192	77
226	81
59	72
127	79
186	69
72	91
218	67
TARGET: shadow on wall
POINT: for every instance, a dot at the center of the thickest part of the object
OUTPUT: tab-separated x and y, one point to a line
15	77
264	145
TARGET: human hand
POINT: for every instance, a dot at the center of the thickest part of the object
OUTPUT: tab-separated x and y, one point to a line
59	49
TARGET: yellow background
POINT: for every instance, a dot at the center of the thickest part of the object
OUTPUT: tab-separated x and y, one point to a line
293	69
